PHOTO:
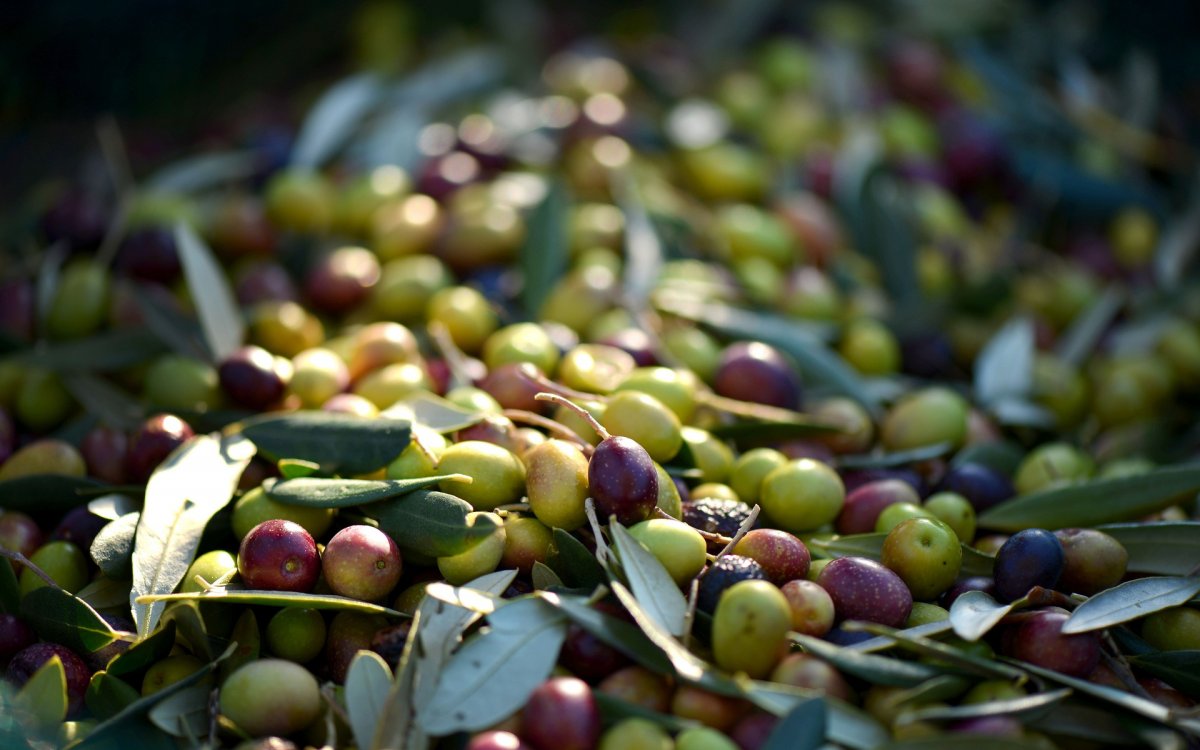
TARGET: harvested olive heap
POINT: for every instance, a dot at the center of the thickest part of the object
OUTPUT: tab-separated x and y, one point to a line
800	403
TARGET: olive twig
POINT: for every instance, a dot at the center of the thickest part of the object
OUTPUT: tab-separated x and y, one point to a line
559	429
1120	666
20	559
689	617
550	386
583	413
454	357
602	553
709	536
742	530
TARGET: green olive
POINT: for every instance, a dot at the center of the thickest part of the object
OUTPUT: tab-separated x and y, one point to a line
646	420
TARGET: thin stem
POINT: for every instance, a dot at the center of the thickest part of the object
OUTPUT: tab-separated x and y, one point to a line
560	430
20	559
742	531
582	412
550	386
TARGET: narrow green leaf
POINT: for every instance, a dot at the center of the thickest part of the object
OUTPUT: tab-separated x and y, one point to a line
1138	705
10	590
879	643
975	613
367	684
44	696
112	549
1004	367
45	494
59	617
103	352
762	433
573	562
543	257
621	635
201	172
1129	601
224	329
1161	548
845	724
335	116
48	276
103	735
1011	411
939	654
111	404
191	628
650	582
643	248
432	523
1025	707
1003	456
1094	502
340	443
313	492
184	714
105	593
881	670
145	652
1080	339
614	709
108	696
186	490
1177	245
803	728
521	644
1179	669
964	741
295	468
177	331
974	562
816	360
425	409
1089	721
899	458
544	577
232	595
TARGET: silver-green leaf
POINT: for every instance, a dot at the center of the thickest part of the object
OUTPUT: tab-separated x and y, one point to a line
1131	600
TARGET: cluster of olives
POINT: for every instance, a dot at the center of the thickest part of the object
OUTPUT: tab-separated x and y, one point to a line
360	292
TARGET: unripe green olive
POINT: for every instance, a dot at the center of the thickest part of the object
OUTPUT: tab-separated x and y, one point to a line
296	634
407	285
466	314
256	506
210	566
676	389
43	402
669	501
926	417
751	468
285	328
180	384
711	456
521	342
750	626
80	302
725	172
595	225
392	383
698	351
417	461
62	561
499	476
163	674
857	430
317	376
595	368
271	697
45	456
870	348
679	547
482	558
646	420
300	200
749	232
526	541
557	484
1051	465
358	201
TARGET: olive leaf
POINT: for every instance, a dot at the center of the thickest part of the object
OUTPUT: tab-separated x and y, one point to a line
314	492
898	458
432	523
643	248
1128	701
543	258
1178	244
573	562
939	654
173	328
45	494
191	627
1131	600
184	492
621	635
614	709
845	724
112	549
108	696
650	582
338	442
184	714
103	352
803	728
112	405
220	318
1004	367
234	595
1025	707
144	653
336	115
105	593
425	409
881	643
60	617
1179	669
203	172
112	506
1093	502
881	670
975	613
44	696
1080	339
521	643
1160	548
544	577
367	683
10	589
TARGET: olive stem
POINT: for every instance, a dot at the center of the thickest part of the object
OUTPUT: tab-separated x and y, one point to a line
561	430
552	387
582	412
742	530
709	536
20	559
689	617
454	357
602	553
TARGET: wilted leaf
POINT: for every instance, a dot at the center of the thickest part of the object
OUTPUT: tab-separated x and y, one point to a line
338	442
312	492
522	644
367	684
650	582
432	523
1160	548
975	613
1093	502
224	329
544	256
184	492
59	617
1131	600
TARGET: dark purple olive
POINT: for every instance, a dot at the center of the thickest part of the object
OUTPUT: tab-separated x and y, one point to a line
158	436
982	485
150	254
79	527
974	583
104	450
514	386
623	480
15	634
8	435
30	659
263	281
79	218
636	343
1032	557
251	379
753	371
